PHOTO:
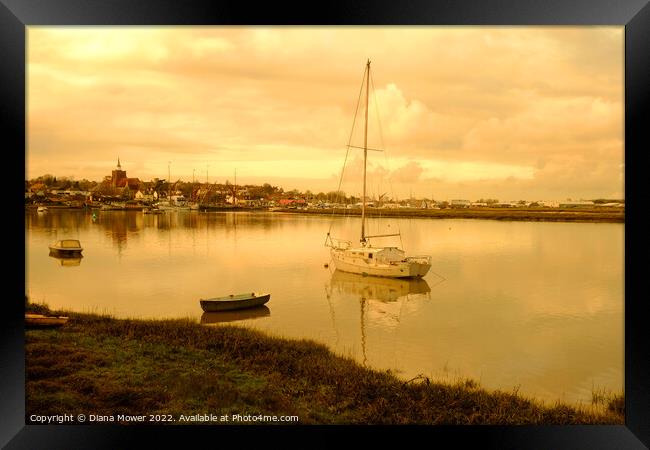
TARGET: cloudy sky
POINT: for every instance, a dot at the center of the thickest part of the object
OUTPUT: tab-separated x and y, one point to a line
461	112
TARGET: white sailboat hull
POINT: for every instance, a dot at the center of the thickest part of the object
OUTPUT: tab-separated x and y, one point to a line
409	267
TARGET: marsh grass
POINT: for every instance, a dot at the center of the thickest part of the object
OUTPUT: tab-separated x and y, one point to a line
100	365
606	399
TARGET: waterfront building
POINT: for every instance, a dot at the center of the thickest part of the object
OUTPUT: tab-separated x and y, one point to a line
120	180
460	203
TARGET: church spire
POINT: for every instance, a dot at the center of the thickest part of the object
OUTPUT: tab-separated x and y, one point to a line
119	167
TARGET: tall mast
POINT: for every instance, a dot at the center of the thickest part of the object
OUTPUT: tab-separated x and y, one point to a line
365	158
169	183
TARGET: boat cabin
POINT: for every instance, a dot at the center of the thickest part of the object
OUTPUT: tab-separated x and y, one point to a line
66	246
379	254
69	243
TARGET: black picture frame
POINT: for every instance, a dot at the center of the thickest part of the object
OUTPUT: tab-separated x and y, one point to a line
16	15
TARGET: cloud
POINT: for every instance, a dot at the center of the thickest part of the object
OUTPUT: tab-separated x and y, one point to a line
475	105
409	173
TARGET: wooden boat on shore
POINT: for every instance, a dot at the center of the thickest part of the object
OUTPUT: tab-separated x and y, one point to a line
41	321
66	247
234	301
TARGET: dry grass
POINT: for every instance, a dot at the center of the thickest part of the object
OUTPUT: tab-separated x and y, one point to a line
100	365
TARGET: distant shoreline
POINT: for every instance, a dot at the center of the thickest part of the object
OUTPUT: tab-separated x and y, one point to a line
615	215
593	214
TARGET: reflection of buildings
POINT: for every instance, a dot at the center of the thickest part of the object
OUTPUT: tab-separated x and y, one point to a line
118	224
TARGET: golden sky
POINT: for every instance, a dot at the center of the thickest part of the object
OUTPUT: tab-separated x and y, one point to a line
462	112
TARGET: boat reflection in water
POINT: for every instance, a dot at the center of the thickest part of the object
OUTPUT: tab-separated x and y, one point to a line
381	299
66	260
377	288
209	318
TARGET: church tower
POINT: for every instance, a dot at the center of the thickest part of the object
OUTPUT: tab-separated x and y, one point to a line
117	174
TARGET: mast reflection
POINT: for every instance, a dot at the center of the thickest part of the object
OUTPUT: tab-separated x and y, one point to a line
380	299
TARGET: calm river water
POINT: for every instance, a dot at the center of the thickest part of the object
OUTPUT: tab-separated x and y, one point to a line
533	306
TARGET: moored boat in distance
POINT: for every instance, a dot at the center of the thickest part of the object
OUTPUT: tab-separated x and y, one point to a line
151	210
66	247
234	301
42	209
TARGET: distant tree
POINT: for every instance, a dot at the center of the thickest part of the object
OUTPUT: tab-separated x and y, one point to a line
86	185
443	204
185	188
335	196
126	193
46	179
38	187
269	190
105	188
605	200
264	191
64	183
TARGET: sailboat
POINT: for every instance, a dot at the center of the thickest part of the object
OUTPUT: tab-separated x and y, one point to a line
366	259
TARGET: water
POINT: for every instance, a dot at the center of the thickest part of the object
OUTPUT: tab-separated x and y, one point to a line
530	306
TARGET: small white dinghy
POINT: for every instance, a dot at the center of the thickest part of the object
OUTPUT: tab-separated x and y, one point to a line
234	301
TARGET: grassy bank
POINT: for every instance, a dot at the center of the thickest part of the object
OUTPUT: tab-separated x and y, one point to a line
616	215
104	366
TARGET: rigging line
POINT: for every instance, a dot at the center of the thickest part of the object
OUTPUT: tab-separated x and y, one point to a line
439	276
347	152
383	145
